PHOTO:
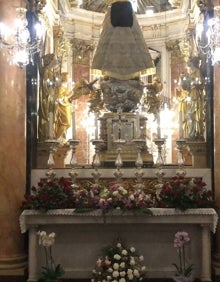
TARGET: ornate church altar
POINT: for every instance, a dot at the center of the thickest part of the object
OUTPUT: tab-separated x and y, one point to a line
81	236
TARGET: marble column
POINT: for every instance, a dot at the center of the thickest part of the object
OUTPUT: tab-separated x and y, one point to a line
12	154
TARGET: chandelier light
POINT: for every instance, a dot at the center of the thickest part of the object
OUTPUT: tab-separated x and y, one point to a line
210	46
19	43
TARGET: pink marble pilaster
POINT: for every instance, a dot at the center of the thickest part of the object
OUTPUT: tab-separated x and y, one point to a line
12	154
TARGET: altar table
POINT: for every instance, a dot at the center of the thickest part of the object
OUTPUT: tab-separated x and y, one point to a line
81	236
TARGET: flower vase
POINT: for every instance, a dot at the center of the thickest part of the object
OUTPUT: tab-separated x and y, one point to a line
182	278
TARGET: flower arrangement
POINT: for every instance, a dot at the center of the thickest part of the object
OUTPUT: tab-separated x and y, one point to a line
51	272
118	197
119	263
181	239
59	194
53	194
179	192
184	193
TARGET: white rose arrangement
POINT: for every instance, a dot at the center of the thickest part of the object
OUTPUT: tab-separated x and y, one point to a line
119	263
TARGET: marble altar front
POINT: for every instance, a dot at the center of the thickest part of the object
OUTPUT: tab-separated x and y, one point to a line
81	236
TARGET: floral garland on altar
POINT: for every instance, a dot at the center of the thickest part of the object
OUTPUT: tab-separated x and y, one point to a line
179	192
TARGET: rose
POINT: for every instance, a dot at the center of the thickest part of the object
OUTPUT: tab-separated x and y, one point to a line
124	252
115	274
117	257
115	266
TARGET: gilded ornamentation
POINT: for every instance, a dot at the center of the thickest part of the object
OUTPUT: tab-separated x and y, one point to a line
61	45
121	94
62	109
152	100
82	50
48	69
173	46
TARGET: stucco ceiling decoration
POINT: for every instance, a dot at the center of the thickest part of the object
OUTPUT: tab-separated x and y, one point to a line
100	6
84	24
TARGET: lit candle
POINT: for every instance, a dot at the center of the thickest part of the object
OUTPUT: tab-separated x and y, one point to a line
96	126
138	125
158	126
73	126
50	125
180	125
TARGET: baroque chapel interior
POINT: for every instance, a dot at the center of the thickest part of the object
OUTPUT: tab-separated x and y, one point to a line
105	99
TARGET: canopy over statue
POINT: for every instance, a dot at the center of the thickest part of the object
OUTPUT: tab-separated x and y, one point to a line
122	52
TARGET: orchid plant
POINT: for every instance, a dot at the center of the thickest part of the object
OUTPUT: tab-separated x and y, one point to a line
181	239
51	272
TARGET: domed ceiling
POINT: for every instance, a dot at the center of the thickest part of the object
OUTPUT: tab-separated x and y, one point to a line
142	5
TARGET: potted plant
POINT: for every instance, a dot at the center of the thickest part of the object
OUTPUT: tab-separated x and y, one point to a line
51	272
183	270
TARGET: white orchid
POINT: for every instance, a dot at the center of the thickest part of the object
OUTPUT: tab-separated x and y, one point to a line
51	269
47	240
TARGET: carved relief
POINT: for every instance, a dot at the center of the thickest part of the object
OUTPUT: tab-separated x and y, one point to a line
156	30
81	51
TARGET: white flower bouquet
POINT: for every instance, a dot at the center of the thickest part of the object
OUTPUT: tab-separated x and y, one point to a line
119	263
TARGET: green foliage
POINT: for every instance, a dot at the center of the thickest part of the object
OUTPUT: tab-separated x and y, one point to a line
51	274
